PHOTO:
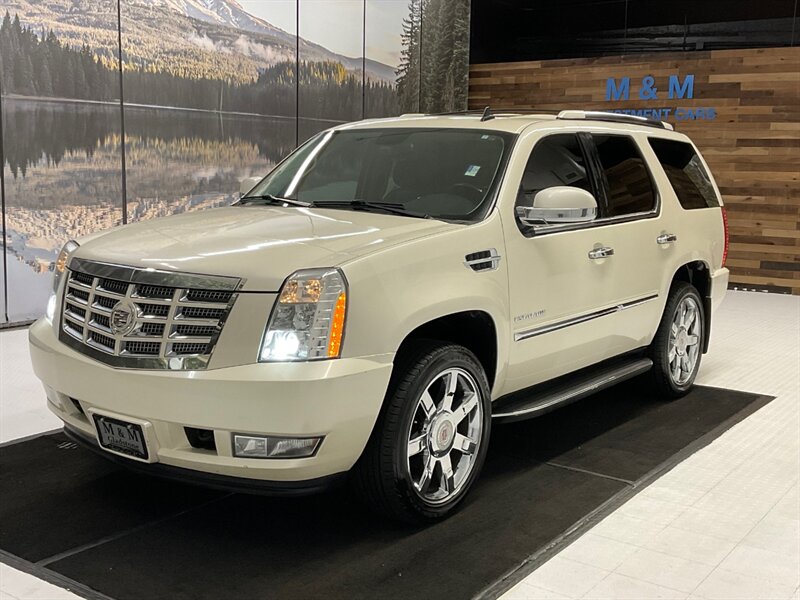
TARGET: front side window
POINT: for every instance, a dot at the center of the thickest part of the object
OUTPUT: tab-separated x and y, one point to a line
628	182
556	160
686	173
440	173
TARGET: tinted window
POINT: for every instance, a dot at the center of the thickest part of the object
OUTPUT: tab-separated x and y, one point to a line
444	173
630	189
686	173
556	160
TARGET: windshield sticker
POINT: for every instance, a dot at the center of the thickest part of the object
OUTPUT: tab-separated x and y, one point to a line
472	170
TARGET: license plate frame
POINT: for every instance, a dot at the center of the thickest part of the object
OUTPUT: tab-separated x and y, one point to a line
121	437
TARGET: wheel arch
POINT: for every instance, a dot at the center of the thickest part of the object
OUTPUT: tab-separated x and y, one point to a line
474	329
698	274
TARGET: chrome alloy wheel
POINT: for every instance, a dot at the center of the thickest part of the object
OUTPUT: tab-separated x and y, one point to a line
684	341
444	435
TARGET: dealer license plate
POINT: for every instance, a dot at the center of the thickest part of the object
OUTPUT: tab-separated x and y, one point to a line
121	436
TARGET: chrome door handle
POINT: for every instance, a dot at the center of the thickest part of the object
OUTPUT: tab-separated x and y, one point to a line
603	252
666	238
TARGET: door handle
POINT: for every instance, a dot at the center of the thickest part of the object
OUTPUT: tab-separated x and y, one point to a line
603	252
666	238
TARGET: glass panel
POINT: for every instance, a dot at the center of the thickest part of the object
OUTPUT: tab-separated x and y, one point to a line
331	67
207	94
446	173
61	137
685	25
444	49
387	46
556	160
686	173
541	30
630	188
3	298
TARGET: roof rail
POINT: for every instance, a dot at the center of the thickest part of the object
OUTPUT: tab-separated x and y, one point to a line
599	115
497	111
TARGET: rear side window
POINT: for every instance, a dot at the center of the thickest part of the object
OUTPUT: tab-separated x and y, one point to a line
630	187
686	173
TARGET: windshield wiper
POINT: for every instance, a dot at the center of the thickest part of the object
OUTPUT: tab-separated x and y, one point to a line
275	200
393	208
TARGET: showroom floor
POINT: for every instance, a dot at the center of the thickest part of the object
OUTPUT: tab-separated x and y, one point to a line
724	523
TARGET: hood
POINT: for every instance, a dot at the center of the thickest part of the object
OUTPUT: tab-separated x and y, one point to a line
261	244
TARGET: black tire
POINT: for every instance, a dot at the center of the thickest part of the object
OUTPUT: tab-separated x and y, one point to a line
381	477
664	381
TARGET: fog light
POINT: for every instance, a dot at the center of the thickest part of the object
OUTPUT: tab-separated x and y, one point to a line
50	310
251	446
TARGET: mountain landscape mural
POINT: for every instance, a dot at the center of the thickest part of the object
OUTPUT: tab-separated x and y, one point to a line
211	91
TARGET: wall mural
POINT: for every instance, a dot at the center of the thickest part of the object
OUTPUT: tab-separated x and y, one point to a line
210	95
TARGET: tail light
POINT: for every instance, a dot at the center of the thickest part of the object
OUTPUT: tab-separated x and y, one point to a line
727	236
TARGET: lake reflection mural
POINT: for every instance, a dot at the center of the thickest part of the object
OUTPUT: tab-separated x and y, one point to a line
209	96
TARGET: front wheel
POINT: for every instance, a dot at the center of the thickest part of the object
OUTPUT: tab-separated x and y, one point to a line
430	441
678	343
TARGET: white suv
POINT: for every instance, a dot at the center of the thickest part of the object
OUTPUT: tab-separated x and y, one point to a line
380	298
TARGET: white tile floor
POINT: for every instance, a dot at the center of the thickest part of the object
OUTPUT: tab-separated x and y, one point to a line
724	524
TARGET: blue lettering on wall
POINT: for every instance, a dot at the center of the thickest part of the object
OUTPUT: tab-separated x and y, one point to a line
619	88
681	90
618	92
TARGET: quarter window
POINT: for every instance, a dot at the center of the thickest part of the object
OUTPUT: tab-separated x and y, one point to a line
556	160
686	173
629	185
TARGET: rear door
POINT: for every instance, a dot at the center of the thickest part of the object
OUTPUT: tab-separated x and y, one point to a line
632	218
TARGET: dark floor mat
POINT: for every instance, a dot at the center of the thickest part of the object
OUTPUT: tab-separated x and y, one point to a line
622	432
55	496
541	478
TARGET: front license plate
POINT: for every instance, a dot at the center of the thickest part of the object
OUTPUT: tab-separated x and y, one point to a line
121	436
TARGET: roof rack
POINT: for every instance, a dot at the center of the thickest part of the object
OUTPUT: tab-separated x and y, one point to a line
599	115
494	111
594	115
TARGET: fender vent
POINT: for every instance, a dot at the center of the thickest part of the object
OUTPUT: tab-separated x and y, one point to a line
485	260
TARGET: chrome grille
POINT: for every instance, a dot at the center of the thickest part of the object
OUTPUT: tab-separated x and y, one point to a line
133	318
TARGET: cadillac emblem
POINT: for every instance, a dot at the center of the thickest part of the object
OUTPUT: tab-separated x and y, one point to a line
123	317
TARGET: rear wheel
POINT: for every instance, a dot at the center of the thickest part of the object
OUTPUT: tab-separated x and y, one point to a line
678	343
430	441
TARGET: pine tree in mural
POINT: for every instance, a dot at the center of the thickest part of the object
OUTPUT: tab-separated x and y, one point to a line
435	57
408	73
30	66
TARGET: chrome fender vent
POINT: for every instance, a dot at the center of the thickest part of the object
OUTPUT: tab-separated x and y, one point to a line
485	260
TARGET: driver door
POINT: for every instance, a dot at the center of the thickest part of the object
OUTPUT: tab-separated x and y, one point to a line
559	280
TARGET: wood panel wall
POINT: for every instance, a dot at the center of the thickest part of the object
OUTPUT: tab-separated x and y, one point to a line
752	147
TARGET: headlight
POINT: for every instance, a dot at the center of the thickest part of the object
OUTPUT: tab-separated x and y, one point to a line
61	262
307	321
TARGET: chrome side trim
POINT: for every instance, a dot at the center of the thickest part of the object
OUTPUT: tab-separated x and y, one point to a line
154	276
524	335
535	216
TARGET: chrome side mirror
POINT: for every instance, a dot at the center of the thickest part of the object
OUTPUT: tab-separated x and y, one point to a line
248	183
559	205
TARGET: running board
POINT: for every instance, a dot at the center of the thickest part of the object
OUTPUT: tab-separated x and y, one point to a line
547	396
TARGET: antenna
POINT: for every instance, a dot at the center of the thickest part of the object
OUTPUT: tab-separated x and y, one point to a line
487	114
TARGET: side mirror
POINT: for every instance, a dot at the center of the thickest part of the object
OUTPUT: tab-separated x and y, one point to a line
248	183
557	205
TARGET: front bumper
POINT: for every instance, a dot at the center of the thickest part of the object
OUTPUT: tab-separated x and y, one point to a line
338	399
210	480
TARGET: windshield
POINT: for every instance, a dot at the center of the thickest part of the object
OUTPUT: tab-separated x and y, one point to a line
439	173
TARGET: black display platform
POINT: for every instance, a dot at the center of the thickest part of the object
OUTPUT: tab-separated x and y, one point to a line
72	518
